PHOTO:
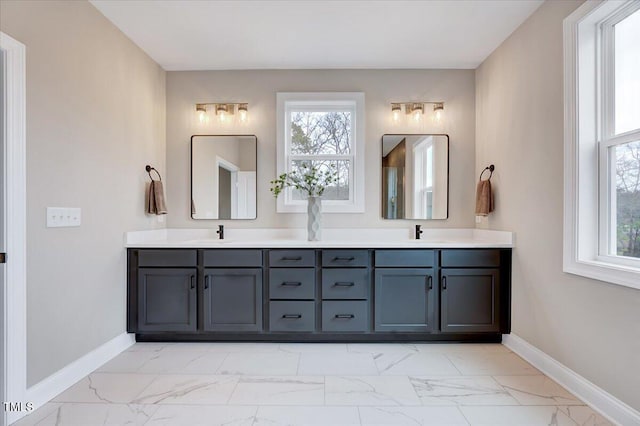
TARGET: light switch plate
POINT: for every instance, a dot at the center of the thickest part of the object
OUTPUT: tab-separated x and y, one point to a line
59	217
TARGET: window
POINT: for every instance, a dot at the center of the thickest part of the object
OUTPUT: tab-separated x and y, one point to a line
324	130
423	174
602	142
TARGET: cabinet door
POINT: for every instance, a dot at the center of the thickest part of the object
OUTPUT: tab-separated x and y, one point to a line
470	300
404	300
233	299
167	299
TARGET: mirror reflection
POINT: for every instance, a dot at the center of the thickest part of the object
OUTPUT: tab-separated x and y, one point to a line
415	176
223	177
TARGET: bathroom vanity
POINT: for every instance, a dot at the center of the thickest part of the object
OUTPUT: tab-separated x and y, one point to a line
455	287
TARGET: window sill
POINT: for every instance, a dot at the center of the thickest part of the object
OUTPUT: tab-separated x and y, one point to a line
608	272
326	208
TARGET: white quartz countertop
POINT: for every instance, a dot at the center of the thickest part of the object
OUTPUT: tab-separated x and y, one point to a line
331	238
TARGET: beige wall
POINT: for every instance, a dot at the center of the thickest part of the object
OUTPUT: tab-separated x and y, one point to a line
590	326
455	87
95	117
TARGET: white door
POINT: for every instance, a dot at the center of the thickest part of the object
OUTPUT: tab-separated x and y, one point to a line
3	216
246	195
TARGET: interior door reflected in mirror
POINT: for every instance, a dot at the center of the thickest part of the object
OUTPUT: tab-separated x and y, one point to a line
223	177
415	176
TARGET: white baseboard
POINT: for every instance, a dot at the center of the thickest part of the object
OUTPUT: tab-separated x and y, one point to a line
44	391
596	397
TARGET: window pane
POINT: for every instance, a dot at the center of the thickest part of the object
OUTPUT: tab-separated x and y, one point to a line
338	190
321	132
627	73
627	212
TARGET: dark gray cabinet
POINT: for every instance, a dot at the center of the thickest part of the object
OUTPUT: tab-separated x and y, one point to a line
232	299
167	299
346	294
470	300
404	299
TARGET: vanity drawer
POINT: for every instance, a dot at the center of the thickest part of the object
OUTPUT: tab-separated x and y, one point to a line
167	258
342	258
229	258
345	316
404	258
292	258
292	316
470	258
345	283
292	283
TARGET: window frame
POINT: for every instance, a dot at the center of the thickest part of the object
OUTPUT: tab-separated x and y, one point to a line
588	115
322	101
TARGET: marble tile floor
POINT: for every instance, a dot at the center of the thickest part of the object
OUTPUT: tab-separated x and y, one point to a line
185	384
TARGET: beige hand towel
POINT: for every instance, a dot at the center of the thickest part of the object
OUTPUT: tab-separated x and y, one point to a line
484	198
155	198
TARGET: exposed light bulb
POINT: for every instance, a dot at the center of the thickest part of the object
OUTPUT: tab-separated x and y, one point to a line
437	109
396	110
201	109
243	112
417	110
221	111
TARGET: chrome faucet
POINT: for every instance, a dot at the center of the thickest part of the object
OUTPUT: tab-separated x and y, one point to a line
418	231
220	232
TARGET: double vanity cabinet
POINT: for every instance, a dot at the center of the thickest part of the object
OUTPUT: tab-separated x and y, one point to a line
319	294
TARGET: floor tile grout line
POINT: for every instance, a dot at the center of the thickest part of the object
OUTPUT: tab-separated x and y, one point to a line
454	364
459	407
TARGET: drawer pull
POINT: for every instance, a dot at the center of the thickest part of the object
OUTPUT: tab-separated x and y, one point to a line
288	316
291	259
345	316
344	259
193	282
344	284
444	283
206	282
291	284
430	279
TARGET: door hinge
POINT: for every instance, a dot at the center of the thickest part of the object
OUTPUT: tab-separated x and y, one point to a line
3	257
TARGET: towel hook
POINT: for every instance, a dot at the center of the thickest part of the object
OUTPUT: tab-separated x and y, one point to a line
149	168
491	168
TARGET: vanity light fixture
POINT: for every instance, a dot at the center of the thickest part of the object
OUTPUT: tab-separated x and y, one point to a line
224	110
415	109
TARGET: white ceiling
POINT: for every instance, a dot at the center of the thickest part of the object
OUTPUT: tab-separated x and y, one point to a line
313	34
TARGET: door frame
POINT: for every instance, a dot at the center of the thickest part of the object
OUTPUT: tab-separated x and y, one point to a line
15	345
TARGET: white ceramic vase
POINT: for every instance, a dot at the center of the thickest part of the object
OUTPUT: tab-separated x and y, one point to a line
314	218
